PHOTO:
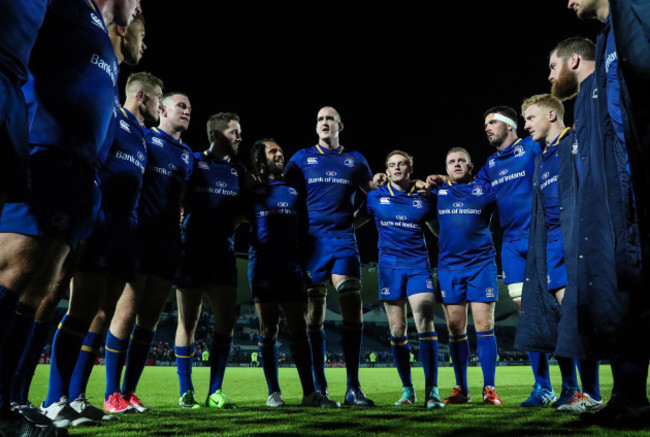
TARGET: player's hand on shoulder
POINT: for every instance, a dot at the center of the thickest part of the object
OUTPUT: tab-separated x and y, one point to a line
435	180
252	180
379	180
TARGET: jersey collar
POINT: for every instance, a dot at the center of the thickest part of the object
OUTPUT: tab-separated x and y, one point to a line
322	152
392	193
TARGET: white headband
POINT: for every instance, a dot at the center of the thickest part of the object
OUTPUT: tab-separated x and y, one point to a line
506	120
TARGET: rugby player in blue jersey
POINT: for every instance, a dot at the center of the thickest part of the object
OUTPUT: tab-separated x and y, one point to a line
550	245
169	165
108	261
129	46
467	271
37	235
20	22
405	273
622	71
211	207
510	171
276	213
329	175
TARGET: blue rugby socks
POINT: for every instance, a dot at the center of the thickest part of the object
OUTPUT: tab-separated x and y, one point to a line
18	326
268	349
401	350
429	357
486	345
351	342
184	355
65	350
317	342
136	357
218	360
459	351
85	362
28	362
301	354
114	356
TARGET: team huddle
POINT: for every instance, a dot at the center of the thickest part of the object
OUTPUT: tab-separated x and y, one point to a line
122	214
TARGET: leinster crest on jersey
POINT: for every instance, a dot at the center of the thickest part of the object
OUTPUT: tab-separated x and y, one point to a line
477	191
519	151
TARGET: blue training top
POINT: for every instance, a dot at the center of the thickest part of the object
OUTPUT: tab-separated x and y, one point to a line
329	179
72	104
275	211
169	166
510	171
548	174
212	202
400	217
464	214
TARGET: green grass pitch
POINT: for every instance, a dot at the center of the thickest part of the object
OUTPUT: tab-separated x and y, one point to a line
246	387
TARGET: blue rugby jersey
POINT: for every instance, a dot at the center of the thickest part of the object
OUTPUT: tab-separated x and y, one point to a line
464	213
510	172
72	102
400	217
122	172
212	201
275	212
548	175
19	21
169	166
329	179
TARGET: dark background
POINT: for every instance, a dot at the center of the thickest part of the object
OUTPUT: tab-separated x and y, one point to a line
413	76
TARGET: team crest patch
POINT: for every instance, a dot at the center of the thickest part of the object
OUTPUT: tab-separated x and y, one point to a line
489	292
417	203
519	151
385	291
293	191
429	283
477	191
545	175
491	163
233	171
349	161
574	149
186	157
140	156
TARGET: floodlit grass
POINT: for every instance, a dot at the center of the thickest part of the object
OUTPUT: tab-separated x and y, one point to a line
158	388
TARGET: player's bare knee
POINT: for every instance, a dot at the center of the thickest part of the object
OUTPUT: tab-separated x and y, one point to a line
317	292
269	332
398	330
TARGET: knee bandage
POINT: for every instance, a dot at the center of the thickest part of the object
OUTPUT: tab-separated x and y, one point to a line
514	290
